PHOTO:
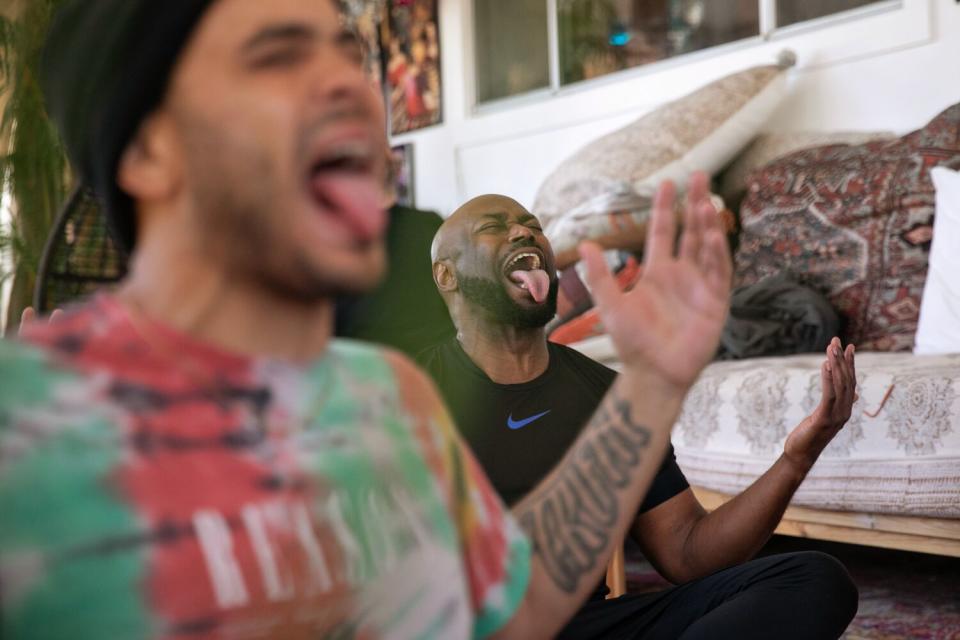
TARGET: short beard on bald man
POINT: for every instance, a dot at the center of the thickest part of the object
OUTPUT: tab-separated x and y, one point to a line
492	298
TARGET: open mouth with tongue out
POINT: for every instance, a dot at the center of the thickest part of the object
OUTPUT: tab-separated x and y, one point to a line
525	270
344	180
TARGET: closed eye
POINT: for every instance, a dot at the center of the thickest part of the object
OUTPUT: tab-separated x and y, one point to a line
286	56
278	44
530	222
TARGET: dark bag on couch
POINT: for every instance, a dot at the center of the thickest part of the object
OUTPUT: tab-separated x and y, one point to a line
776	317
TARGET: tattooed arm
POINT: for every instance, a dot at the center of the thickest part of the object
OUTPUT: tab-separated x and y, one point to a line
579	514
665	330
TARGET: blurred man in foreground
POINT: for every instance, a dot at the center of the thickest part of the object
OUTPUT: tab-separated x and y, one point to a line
194	456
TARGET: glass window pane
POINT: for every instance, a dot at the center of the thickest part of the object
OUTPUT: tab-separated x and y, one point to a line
794	11
601	36
512	55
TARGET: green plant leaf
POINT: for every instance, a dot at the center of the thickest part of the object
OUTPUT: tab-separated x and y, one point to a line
34	170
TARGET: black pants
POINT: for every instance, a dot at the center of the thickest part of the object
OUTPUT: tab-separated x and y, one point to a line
807	595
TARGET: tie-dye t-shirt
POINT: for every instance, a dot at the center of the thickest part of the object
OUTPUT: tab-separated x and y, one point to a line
155	487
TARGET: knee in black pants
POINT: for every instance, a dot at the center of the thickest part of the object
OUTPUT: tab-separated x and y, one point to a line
794	596
828	586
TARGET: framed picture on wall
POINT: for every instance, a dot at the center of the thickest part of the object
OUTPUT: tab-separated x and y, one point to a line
402	160
410	51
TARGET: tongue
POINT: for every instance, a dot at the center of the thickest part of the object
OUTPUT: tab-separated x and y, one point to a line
357	198
537	283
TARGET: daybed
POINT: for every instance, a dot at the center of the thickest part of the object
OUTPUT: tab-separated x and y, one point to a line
852	221
891	478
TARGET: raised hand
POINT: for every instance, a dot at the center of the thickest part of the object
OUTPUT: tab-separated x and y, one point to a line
838	381
670	322
29	316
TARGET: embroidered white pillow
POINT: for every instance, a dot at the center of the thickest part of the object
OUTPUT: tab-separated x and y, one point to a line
938	330
701	131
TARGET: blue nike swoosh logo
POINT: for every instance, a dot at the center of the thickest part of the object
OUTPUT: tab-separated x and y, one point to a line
520	424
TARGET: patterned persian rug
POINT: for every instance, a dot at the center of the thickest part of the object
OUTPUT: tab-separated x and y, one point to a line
903	596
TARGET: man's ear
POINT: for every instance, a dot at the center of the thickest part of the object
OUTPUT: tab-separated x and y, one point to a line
444	277
149	167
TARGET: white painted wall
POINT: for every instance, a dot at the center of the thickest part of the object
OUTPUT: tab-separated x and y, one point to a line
888	70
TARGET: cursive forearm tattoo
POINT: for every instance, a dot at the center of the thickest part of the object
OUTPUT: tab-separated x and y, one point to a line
570	519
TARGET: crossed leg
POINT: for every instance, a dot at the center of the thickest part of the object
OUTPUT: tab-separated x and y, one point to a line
805	595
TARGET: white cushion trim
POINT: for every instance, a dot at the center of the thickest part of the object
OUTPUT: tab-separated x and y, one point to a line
899	453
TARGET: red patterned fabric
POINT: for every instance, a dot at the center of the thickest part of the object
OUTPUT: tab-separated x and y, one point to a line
854	222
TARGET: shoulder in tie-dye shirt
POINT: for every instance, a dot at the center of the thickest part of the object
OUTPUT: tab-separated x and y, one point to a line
155	487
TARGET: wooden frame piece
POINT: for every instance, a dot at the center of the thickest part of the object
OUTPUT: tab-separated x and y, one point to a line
940	536
617	574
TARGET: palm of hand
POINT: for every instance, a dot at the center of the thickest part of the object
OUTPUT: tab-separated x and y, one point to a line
838	389
670	322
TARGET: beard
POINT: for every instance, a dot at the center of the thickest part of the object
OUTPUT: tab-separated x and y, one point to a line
492	297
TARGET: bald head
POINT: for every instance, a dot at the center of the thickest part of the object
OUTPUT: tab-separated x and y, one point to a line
490	257
448	241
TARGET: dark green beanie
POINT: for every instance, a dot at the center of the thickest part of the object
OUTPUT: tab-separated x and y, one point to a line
106	66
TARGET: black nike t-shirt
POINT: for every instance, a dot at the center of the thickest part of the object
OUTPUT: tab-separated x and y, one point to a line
519	432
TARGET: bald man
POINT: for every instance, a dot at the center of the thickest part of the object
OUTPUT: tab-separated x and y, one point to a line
520	401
